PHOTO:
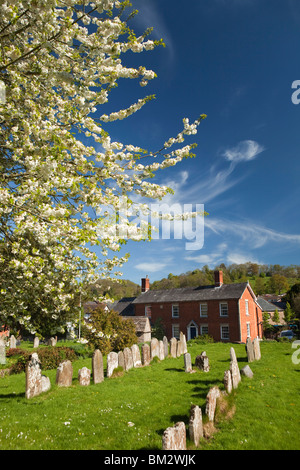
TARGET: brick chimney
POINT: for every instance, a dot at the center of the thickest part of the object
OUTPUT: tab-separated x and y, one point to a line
145	286
218	278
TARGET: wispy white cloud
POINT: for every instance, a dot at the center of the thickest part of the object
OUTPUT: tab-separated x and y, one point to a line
150	267
244	151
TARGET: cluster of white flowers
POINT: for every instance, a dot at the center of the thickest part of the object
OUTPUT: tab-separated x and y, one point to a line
59	60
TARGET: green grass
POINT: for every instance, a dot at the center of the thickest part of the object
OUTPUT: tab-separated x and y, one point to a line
267	412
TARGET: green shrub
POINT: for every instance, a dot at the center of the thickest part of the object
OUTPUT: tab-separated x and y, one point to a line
50	357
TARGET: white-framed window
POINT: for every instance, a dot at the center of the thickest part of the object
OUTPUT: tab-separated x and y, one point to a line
203	310
176	331
225	332
248	330
203	330
247	306
175	311
148	311
223	309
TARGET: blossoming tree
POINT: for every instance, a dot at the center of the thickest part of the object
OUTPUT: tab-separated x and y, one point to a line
59	196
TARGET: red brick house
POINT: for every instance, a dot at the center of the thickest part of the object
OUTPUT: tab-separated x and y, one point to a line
227	312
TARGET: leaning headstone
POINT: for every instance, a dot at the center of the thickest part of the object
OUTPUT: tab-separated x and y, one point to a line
136	355
36	342
211	402
173	347
179	348
250	350
121	360
154	348
202	362
256	349
146	358
84	376
33	377
161	350
2	352
128	358
195	424
46	384
247	372
228	381
187	362
183	342
166	346
174	438
97	367
234	369
12	342
112	363
64	374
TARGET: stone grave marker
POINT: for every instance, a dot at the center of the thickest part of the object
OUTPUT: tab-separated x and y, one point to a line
136	356
202	362
84	376
211	402
2	351
121	360
36	342
128	358
174	438
247	372
195	424
112	363
154	348
173	347
33	377
234	369
12	342
187	362
161	350
166	346
179	348
97	367
64	374
256	349
146	357
250	350
228	381
183	342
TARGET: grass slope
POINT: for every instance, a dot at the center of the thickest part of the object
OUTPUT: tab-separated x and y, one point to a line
131	412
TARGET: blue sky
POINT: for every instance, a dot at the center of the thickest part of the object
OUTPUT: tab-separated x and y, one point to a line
234	60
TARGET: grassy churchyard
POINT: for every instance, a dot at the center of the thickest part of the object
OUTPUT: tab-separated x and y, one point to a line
131	411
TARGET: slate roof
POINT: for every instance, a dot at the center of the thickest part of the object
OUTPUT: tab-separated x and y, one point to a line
269	306
124	306
185	294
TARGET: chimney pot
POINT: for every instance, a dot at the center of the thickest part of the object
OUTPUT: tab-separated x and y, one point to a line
145	286
218	278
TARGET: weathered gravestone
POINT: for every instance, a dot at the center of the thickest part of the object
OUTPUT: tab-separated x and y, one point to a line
179	348
256	349
187	362
173	347
247	372
174	438
12	342
166	346
36	383
234	369
183	343
128	358
136	356
195	424
121	360
36	342
97	367
146	357
161	350
112	363
154	348
228	381
250	350
211	402
202	362
2	352
84	376
64	374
